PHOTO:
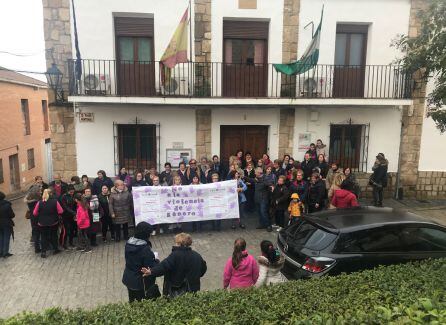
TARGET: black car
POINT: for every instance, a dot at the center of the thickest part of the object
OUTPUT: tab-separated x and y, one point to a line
336	241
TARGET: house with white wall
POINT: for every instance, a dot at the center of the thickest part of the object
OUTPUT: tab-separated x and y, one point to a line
122	109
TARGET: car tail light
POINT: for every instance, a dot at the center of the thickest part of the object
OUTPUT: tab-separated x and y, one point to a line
318	264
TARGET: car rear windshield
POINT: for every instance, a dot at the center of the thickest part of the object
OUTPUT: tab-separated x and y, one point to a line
308	235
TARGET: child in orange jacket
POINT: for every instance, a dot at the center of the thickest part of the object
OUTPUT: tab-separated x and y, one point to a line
294	208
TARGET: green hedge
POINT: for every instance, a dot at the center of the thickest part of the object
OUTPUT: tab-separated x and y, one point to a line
399	294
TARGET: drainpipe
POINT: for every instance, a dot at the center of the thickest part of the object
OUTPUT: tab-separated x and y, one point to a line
399	195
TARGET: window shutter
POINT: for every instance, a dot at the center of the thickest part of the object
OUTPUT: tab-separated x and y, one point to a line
134	26
245	29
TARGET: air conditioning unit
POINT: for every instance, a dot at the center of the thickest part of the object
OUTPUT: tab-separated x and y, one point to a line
176	86
313	87
96	84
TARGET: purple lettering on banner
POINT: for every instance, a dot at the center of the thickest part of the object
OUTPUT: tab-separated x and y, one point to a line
135	195
199	192
231	190
200	213
200	206
166	206
188	208
180	188
147	189
164	191
218	185
232	205
191	189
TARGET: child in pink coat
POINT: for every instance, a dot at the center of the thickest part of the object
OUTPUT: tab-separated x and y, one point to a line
83	223
241	270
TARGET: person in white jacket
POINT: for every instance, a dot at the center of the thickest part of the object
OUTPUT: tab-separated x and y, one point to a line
270	265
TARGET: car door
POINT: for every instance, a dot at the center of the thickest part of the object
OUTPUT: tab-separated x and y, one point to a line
369	248
423	241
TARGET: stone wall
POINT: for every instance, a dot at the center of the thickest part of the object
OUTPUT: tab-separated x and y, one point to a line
57	31
202	33
286	131
291	9
413	118
203	133
431	185
366	189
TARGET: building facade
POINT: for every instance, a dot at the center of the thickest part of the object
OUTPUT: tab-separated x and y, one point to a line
126	110
25	145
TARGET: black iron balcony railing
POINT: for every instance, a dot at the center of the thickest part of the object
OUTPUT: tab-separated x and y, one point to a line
234	80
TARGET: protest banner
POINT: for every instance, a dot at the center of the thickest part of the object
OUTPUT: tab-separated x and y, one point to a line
172	204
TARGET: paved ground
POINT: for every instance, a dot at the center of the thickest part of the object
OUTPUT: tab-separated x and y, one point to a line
72	279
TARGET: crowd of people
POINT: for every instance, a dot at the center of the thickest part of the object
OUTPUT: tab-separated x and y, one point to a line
280	191
184	267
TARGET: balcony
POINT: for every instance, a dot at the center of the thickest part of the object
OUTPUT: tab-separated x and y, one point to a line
102	80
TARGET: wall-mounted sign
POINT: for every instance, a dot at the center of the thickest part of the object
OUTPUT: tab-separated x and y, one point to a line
304	141
177	145
175	156
86	117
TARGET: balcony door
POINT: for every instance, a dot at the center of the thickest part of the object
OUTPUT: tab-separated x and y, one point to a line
135	60
245	66
350	57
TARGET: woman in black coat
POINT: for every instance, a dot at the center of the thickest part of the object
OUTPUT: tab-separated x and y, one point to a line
316	194
138	255
6	225
182	269
280	200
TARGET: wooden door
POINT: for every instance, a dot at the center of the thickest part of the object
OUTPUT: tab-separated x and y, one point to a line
249	138
136	68
137	146
350	54
245	70
14	172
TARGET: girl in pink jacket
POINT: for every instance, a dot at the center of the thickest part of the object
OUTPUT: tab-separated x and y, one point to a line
83	223
241	270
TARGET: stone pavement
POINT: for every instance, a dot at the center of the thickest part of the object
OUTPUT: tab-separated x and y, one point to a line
73	279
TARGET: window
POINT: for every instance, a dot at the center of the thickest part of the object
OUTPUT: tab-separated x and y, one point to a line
349	145
2	180
384	239
45	115
423	239
25	115
31	162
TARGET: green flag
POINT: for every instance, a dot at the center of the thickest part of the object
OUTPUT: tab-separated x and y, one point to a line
309	58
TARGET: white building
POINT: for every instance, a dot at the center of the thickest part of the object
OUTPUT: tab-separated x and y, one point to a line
230	97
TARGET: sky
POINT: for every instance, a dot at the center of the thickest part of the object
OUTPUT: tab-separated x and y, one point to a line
21	32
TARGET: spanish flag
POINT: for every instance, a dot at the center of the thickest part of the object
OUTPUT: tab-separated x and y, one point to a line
176	51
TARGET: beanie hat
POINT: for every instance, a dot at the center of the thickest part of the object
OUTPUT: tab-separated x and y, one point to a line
143	230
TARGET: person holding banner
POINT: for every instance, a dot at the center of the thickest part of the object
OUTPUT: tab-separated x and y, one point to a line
182	269
241	189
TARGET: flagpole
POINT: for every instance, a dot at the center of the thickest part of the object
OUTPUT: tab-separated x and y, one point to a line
190	47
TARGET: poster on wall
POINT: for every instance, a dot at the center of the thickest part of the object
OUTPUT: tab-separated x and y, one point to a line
304	141
178	204
175	156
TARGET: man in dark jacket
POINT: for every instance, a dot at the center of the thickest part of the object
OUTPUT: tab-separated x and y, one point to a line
307	166
378	180
280	200
6	225
218	168
58	187
262	190
138	255
101	180
182	269
316	194
166	177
